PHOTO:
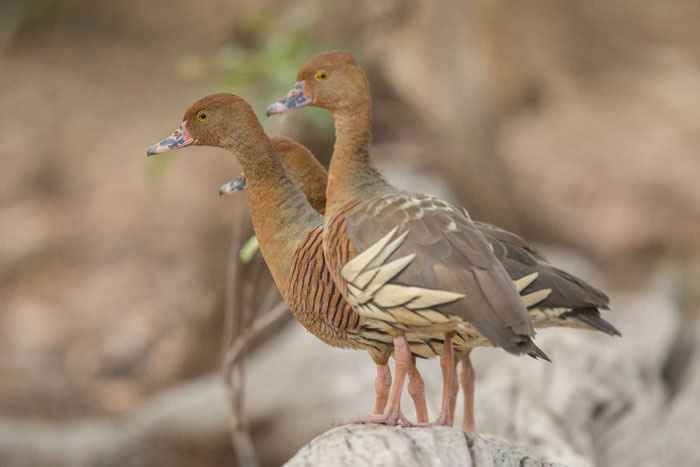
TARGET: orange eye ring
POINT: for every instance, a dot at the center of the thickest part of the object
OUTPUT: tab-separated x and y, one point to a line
202	115
321	75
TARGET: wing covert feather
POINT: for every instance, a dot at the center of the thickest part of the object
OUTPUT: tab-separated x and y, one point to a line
450	254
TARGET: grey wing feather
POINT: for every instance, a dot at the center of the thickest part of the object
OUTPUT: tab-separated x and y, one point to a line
508	239
450	254
565	290
521	259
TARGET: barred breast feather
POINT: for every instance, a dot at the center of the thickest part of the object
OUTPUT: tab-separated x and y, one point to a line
319	306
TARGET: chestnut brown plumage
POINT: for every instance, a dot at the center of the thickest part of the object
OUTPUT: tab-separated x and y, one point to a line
567	300
304	169
289	233
552	296
406	261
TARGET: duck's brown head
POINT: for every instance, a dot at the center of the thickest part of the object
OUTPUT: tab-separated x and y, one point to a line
331	80
219	120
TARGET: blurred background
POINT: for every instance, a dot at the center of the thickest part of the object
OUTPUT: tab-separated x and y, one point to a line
574	124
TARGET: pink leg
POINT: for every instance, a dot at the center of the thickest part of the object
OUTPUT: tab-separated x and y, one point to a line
392	414
455	391
467	380
382	385
416	388
402	355
448	369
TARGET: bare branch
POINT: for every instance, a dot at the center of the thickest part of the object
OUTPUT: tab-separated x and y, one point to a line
249	315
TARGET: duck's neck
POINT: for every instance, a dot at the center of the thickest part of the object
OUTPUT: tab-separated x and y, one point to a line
281	215
352	173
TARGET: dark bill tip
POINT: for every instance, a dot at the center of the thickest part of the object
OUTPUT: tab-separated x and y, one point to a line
275	109
153	150
233	186
294	99
179	139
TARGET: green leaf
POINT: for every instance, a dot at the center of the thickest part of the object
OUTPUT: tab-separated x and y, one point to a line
249	249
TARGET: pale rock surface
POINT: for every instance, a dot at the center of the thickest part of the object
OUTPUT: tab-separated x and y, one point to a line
376	445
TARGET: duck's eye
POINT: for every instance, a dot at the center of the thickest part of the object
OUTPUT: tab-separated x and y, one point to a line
321	75
202	115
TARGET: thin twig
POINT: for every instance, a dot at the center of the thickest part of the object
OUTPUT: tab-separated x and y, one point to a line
231	300
268	320
233	377
246	322
234	382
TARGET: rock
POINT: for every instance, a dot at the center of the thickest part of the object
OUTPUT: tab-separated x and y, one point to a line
355	445
185	425
667	433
